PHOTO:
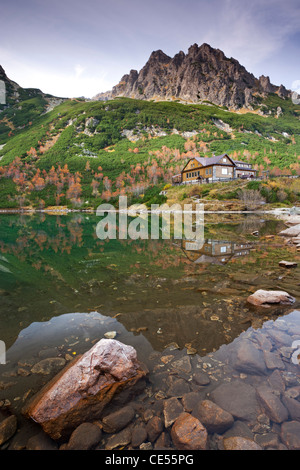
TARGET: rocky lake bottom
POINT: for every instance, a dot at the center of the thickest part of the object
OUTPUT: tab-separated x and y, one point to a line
219	369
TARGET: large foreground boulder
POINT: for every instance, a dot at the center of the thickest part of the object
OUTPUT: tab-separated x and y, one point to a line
265	298
81	391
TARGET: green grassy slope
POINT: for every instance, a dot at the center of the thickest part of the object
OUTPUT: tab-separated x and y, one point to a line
90	138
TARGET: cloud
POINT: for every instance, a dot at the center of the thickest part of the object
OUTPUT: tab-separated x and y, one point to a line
57	81
296	86
107	38
253	31
78	70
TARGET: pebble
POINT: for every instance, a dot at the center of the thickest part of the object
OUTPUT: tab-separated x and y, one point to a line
85	437
41	442
146	446
48	366
240	443
116	421
188	433
139	435
172	410
110	334
154	428
121	439
8	427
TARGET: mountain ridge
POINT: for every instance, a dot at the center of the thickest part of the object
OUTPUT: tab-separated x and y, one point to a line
203	74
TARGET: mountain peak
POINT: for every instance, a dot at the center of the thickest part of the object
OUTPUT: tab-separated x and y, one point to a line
193	49
159	56
206	47
203	74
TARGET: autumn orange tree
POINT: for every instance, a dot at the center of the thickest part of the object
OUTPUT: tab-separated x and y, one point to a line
74	191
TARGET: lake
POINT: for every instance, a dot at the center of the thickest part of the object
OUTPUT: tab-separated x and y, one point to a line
62	289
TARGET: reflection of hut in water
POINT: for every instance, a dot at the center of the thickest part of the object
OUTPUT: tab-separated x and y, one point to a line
215	251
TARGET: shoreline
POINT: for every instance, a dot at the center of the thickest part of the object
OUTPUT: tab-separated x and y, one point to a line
276	211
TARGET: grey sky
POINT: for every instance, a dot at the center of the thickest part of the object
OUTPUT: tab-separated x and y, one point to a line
75	47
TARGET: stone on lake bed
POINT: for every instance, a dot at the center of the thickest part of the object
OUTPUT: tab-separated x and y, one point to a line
110	334
178	388
48	366
117	420
139	435
81	391
41	442
85	437
273	361
182	365
238	398
188	433
248	358
240	443
8	427
213	418
264	298
290	434
154	428
272	405
172	410
121	439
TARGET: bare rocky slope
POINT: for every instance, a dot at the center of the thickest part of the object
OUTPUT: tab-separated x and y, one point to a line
203	74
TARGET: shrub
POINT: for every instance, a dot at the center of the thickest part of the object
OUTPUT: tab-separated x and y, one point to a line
251	198
183	196
281	195
254	185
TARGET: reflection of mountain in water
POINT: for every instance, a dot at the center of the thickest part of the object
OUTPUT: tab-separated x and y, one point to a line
215	251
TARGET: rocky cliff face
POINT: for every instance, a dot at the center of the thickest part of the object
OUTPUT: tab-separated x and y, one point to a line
203	74
11	88
14	94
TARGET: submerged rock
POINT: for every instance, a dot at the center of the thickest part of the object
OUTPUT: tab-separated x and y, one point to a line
290	434
41	442
85	437
48	366
188	433
116	421
272	405
8	427
248	358
263	298
154	428
110	334
121	439
214	418
240	443
201	378
83	389
172	410
139	435
238	398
